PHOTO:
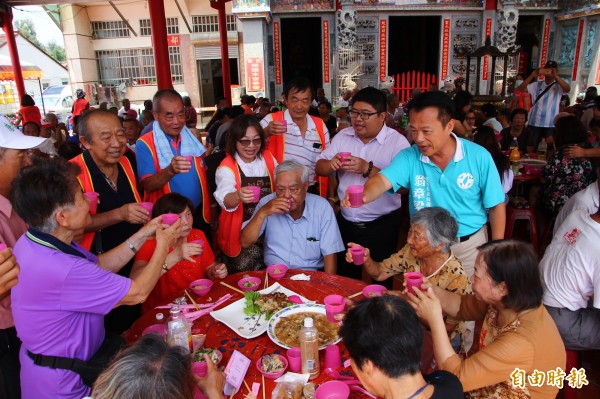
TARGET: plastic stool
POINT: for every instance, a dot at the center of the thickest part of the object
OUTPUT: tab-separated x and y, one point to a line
572	362
514	214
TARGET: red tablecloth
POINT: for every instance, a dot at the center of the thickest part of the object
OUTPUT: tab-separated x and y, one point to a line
219	336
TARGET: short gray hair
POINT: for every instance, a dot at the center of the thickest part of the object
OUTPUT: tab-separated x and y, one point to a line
148	369
292	166
439	225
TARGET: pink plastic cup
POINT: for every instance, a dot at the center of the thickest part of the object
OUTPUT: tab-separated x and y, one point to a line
332	390
147	206
334	305
169	218
200	369
93	197
284	123
199	242
333	359
358	254
2	246
294	359
356	195
255	193
413	279
189	158
344	156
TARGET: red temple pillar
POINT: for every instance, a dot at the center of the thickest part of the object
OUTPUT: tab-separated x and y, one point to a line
14	52
491	5
162	63
219	5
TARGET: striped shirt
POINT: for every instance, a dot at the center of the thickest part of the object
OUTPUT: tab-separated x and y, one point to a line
302	150
543	112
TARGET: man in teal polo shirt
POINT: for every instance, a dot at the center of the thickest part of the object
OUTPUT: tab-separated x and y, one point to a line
442	170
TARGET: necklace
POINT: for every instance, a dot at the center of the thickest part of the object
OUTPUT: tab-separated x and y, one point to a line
440	268
418	391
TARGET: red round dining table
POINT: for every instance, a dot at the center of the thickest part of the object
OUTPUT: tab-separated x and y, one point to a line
220	336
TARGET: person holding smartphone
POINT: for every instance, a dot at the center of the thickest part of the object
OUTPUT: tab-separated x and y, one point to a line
545	100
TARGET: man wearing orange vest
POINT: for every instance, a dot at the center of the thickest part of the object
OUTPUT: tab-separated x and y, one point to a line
170	159
106	171
294	135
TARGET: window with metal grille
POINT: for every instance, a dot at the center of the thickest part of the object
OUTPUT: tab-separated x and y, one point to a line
210	23
172	26
109	29
135	66
145	27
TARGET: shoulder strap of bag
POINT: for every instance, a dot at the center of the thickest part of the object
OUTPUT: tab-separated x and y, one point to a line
542	93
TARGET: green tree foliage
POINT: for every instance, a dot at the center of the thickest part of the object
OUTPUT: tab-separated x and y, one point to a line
27	29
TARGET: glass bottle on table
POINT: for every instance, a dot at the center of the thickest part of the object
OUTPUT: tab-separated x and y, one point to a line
309	349
179	331
542	149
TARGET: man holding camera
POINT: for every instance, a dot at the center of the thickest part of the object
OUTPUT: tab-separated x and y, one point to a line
545	100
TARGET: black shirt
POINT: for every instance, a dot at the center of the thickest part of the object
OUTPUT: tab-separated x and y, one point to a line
331	125
446	385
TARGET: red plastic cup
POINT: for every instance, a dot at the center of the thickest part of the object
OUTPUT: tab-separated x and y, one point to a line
334	305
93	197
333	359
344	156
294	359
413	279
358	254
169	218
147	206
356	195
255	193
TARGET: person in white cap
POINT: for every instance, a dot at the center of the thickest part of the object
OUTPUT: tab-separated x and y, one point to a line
13	157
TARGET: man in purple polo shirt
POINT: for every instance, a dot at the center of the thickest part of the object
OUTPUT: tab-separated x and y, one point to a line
13	157
373	145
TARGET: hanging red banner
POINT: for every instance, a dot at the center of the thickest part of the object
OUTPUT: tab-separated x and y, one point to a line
445	48
545	40
523	61
277	52
486	61
382	49
326	51
254	74
577	51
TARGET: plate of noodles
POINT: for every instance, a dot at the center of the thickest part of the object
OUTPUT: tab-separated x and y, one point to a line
284	327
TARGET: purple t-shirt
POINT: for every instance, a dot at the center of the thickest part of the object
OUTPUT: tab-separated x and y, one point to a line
58	307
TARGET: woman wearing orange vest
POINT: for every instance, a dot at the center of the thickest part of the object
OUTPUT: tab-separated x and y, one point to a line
247	164
28	112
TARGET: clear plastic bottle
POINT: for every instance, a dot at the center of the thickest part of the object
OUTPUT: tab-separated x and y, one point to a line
514	144
542	149
309	349
179	331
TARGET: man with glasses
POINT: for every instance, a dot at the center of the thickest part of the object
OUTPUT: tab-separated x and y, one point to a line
170	159
372	145
299	228
295	135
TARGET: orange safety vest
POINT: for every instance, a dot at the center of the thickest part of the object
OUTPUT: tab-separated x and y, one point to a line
230	223
148	140
31	113
85	181
277	146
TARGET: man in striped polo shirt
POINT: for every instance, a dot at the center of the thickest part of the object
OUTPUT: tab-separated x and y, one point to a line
545	100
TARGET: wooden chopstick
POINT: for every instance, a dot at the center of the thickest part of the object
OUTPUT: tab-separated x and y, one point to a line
192	299
231	287
355	295
266	280
249	390
263	386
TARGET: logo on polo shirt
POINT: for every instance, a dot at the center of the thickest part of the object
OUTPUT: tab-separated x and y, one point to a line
465	181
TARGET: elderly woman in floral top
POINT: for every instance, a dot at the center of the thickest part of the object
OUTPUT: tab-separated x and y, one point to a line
427	250
564	176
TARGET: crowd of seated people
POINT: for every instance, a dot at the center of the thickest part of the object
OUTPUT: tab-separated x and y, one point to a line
267	188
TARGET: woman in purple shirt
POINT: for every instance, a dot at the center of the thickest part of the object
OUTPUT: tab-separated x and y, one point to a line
64	291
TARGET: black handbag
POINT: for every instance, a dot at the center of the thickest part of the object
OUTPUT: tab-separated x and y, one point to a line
90	370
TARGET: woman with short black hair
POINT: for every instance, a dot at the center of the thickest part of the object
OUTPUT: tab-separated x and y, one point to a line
384	337
518	336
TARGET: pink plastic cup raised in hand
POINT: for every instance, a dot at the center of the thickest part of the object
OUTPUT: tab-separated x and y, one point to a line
199	242
2	246
93	197
284	123
294	359
358	254
355	194
169	218
344	156
147	206
333	359
255	193
334	305
413	279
